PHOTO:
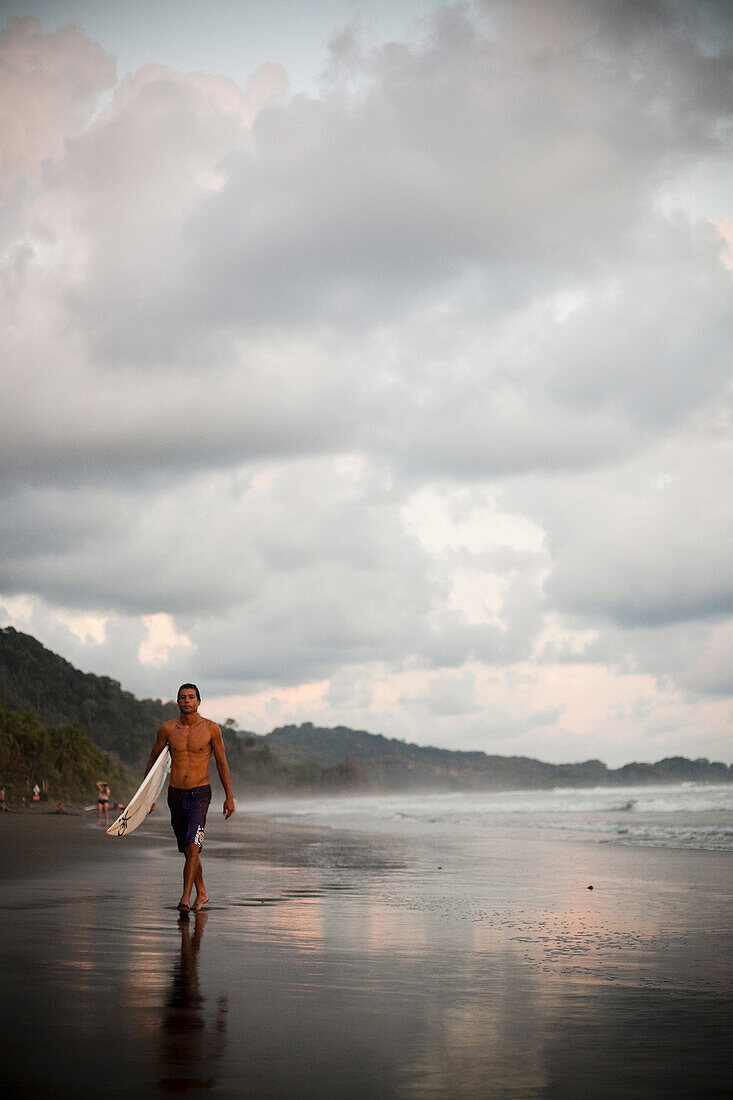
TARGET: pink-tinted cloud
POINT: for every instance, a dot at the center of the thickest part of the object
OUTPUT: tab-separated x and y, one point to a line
208	92
50	86
725	228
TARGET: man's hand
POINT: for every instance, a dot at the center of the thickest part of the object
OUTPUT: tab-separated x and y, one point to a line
228	807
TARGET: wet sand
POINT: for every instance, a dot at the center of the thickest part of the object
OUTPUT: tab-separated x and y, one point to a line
337	964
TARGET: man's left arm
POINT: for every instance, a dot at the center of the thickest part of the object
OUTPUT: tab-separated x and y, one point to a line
217	747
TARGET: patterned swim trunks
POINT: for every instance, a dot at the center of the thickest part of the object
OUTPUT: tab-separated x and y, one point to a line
188	809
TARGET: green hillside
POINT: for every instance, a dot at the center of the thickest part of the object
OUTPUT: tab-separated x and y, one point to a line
257	769
302	758
397	765
33	678
52	693
62	760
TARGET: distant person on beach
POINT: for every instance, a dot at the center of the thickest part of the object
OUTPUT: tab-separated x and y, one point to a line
36	793
103	802
192	739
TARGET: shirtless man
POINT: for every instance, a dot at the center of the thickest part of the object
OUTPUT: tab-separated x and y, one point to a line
192	739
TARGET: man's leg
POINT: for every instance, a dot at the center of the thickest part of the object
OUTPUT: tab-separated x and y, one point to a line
201	896
189	874
193	876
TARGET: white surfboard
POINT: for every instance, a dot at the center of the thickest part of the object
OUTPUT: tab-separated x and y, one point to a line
141	803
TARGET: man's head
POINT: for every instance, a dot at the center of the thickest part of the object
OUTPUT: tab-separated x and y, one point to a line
188	698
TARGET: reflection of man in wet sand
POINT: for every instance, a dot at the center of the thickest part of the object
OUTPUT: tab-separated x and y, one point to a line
192	739
188	1053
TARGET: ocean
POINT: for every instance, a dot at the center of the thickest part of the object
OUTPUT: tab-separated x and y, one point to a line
685	815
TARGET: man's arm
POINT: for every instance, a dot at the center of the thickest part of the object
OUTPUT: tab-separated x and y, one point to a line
217	746
160	742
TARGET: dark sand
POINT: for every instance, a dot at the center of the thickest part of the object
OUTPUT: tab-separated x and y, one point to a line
344	965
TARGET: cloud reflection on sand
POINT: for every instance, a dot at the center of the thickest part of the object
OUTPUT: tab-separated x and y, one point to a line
354	964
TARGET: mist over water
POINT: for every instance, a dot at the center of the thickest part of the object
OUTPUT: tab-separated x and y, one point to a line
687	815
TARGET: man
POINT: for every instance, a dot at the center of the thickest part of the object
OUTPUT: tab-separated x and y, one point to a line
192	739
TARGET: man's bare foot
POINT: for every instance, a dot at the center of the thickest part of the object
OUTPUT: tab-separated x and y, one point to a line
201	900
183	906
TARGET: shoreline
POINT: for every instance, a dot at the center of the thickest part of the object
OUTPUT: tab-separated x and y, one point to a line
333	961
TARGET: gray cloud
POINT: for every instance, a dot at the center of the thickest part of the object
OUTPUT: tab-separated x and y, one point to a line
448	160
451	694
643	544
463	156
242	329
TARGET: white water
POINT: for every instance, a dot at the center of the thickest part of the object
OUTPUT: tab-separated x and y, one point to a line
687	815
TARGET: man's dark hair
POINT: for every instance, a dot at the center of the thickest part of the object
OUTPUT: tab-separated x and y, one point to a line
191	687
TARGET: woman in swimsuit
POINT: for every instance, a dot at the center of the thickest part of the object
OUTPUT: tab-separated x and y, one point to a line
103	802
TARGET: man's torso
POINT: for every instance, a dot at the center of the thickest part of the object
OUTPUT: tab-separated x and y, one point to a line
190	752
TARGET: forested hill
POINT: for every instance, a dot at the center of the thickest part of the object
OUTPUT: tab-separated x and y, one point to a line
65	705
305	757
33	678
393	765
62	760
49	707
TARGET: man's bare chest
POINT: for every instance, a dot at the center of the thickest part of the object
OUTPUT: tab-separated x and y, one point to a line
194	741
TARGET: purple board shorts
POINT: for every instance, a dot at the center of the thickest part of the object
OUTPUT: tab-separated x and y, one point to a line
188	809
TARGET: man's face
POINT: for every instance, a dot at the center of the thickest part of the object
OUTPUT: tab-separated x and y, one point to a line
187	701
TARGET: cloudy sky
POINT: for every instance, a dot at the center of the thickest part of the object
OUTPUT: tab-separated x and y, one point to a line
370	363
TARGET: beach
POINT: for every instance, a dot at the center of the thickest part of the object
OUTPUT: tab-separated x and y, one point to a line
350	954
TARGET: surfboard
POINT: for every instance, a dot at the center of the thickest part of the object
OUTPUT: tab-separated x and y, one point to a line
141	803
